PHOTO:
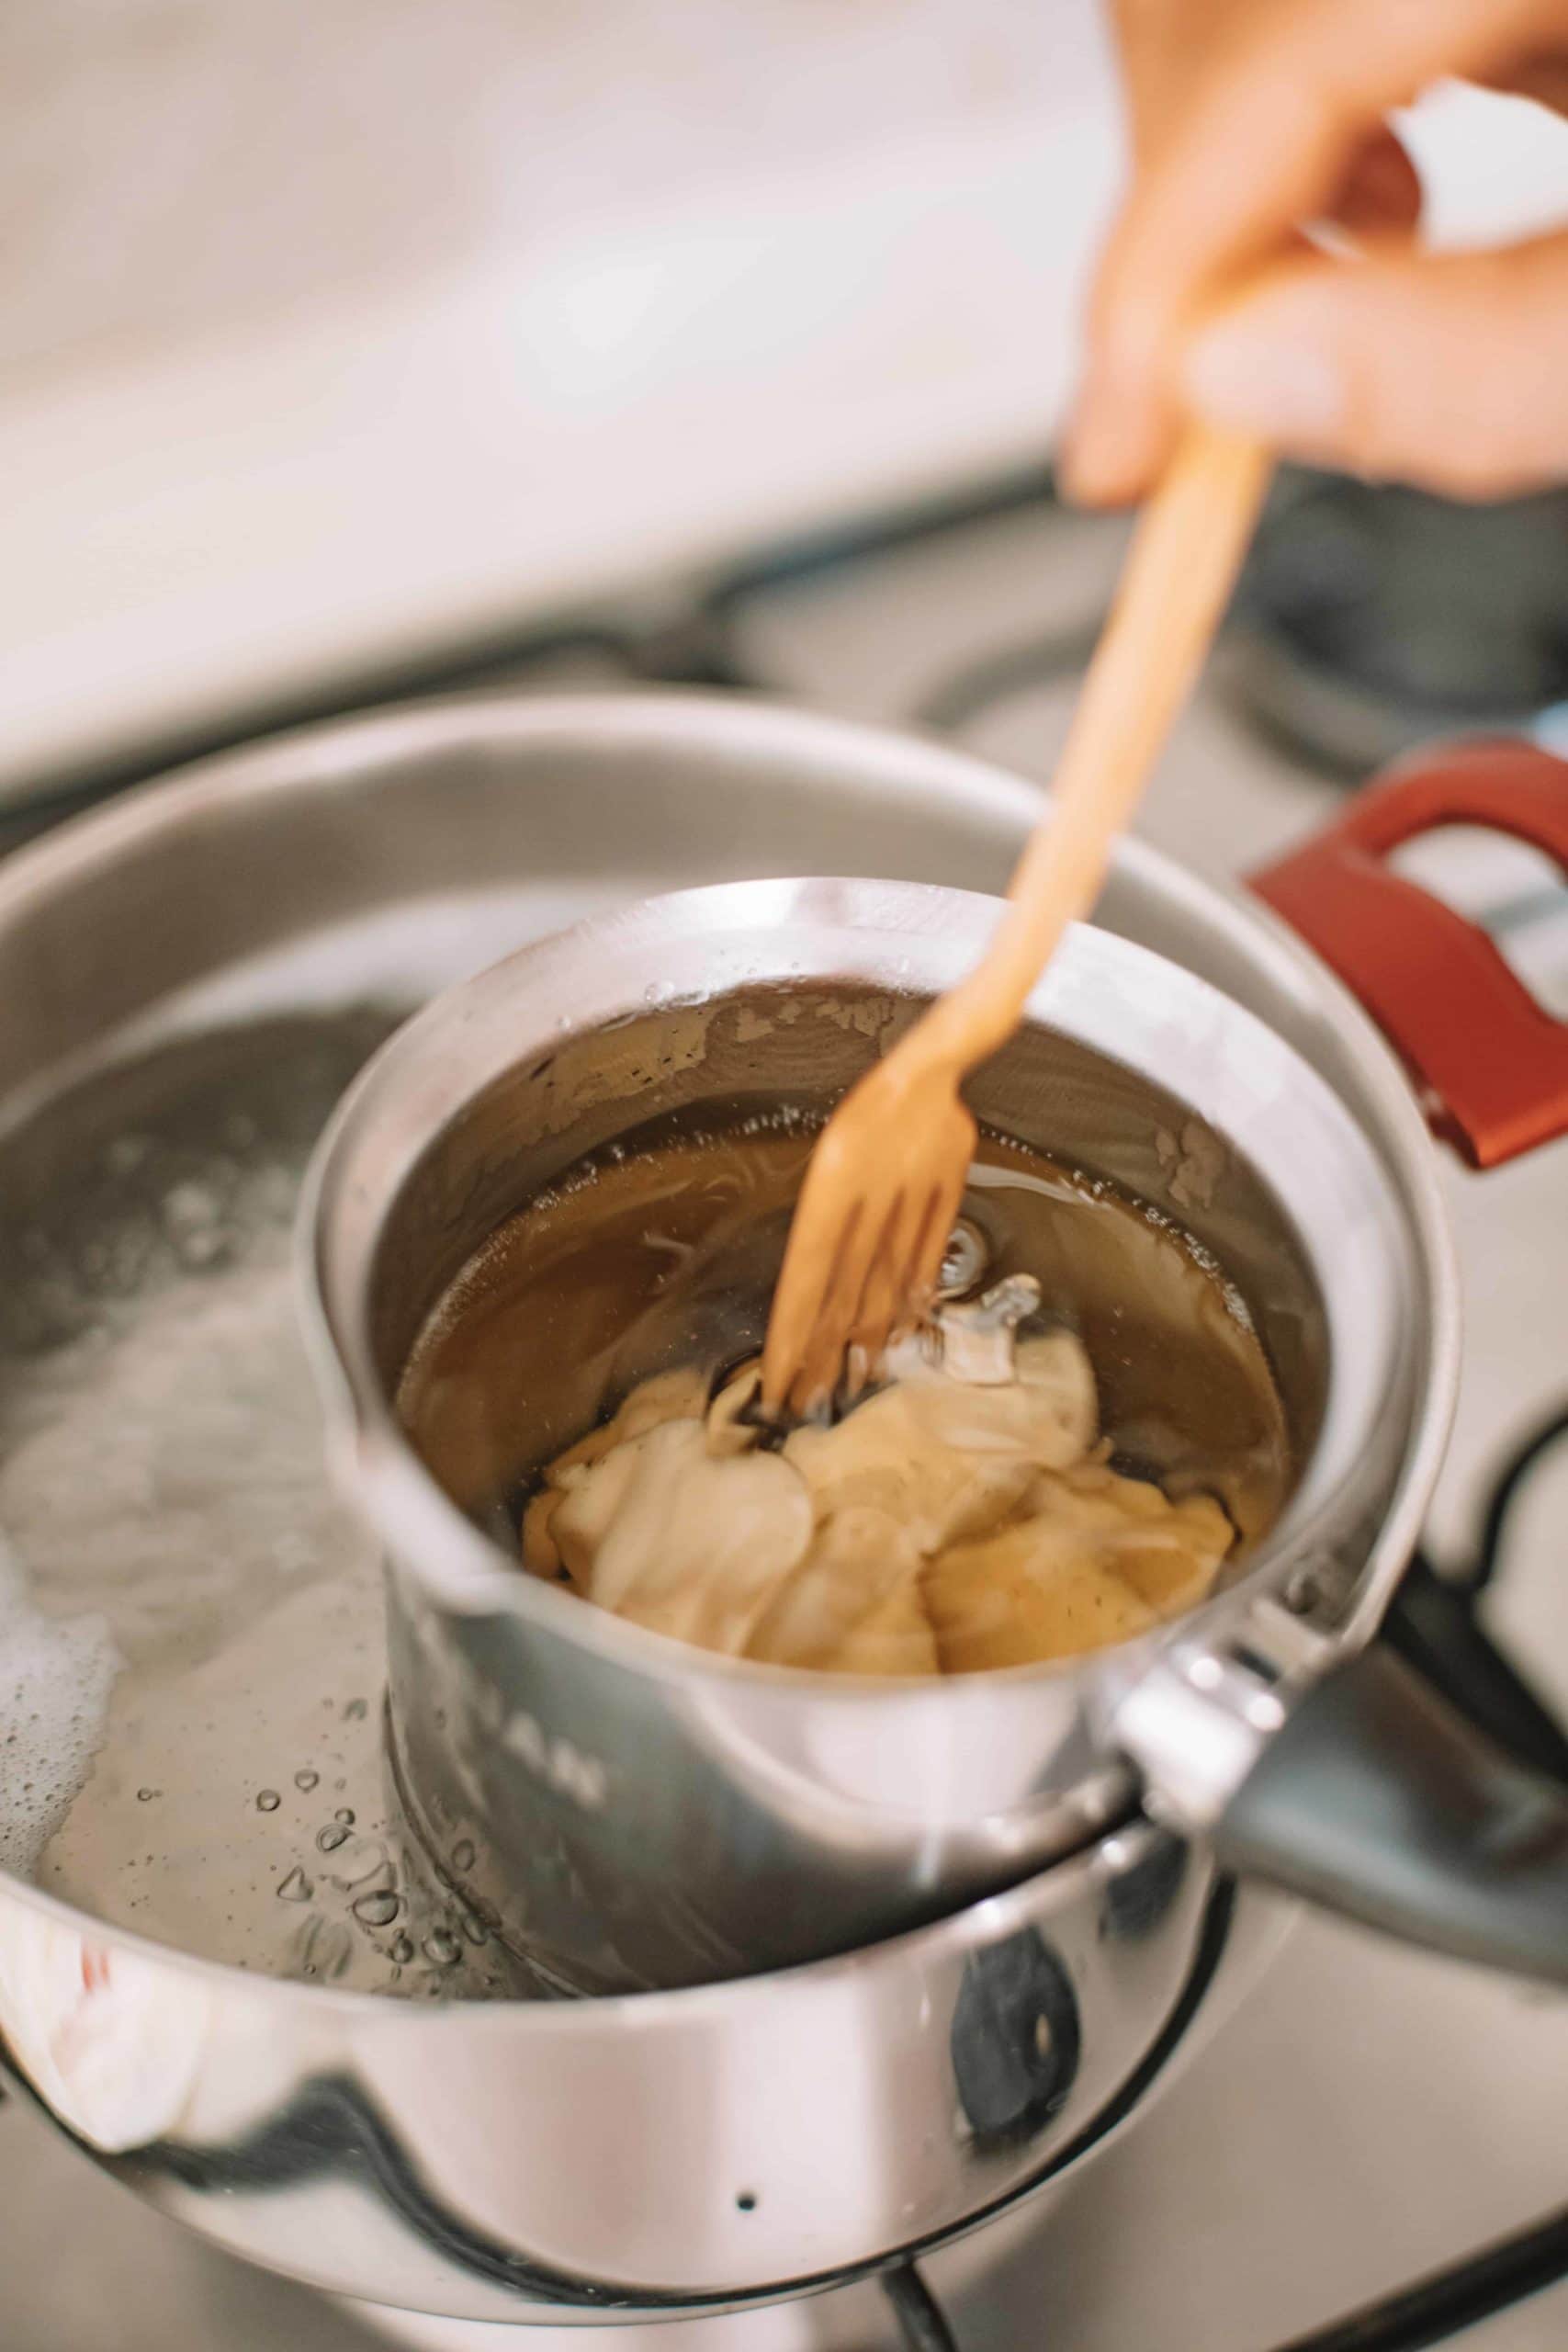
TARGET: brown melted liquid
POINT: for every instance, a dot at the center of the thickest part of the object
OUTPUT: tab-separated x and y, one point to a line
664	1253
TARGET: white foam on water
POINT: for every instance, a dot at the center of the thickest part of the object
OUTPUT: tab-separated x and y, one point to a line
56	1674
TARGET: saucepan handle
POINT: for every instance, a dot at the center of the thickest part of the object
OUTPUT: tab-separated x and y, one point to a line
1383	1799
1422	1787
1491	1063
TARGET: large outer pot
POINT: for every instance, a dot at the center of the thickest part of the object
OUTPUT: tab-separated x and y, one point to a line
691	2149
580	2160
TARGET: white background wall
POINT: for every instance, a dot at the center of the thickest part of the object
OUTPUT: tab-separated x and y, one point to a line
335	329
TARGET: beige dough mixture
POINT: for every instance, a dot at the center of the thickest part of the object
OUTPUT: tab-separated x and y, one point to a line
965	1516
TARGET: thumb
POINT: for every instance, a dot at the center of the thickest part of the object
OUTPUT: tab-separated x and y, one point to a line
1445	370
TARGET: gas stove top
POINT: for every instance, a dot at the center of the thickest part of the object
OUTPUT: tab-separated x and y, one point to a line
1368	2117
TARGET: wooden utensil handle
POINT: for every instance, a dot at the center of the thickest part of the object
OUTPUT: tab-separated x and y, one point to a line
1185	555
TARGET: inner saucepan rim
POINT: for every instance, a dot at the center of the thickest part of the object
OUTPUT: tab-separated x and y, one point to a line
706	948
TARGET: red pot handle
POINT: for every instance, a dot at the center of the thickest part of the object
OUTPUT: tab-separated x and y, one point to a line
1492	1064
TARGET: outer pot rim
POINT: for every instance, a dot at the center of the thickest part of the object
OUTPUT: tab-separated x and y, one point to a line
975	1926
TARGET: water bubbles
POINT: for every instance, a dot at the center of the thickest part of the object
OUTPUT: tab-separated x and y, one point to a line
193	1220
464	1854
202	1248
270	1199
442	1948
326	1948
183	1428
358	1862
56	1675
474	1928
345	1815
188	1207
126	1153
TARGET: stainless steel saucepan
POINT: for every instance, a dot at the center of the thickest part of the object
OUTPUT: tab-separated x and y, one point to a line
633	1812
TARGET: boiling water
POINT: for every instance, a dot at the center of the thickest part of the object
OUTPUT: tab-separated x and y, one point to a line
191	1647
664	1251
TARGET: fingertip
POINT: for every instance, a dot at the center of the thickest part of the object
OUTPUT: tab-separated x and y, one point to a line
1107	456
1085	479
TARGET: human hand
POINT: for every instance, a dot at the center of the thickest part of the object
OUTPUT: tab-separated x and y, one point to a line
1250	117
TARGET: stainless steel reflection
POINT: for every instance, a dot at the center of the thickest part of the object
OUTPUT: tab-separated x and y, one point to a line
571	2161
633	1812
580	2159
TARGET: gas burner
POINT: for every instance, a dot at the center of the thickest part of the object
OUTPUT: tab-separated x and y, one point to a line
1372	617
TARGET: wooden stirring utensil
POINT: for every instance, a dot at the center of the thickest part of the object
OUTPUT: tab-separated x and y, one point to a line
888	1170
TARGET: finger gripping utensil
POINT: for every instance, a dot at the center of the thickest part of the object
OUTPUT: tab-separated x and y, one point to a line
888	1170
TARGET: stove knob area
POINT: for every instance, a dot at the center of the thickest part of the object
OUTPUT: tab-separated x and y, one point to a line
1016	2040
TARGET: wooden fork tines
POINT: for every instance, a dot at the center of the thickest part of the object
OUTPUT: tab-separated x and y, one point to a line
885	1178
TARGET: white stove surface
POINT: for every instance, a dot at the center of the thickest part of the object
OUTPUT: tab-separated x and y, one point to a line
1367	2115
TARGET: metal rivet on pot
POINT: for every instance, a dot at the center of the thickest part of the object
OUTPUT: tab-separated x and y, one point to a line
963	1261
